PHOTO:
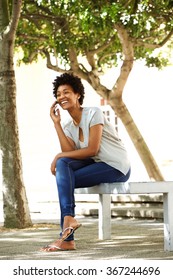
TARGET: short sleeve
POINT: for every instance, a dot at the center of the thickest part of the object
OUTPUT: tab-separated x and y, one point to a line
67	133
97	117
67	130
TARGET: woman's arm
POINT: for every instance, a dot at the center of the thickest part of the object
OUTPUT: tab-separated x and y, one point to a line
95	135
66	143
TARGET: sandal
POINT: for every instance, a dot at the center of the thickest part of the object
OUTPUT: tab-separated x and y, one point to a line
72	230
62	247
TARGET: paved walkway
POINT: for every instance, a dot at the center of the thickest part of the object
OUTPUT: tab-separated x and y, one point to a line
141	239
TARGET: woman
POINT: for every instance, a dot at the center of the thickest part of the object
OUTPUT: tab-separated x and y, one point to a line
92	153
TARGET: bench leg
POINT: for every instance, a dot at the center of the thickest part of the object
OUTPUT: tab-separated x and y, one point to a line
104	216
168	221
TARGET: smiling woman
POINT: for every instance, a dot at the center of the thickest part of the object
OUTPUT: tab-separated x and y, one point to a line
91	153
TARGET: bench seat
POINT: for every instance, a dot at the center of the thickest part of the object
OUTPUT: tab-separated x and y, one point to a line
106	190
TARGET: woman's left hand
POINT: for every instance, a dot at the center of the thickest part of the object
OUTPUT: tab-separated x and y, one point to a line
53	164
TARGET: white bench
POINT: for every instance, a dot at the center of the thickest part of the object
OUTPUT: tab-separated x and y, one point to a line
105	190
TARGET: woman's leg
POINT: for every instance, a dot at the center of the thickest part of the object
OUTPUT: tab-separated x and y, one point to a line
98	173
65	179
71	173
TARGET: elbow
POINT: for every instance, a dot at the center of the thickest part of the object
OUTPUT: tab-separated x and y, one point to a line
94	152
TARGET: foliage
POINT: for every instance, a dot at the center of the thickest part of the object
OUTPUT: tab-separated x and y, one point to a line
88	26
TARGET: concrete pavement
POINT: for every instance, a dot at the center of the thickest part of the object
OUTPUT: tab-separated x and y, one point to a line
131	238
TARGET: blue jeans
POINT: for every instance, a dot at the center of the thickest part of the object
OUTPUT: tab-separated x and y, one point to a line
73	173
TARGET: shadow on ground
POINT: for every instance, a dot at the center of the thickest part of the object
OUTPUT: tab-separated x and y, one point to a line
141	239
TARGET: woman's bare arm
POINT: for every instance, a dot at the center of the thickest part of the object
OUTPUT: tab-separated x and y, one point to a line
66	143
95	135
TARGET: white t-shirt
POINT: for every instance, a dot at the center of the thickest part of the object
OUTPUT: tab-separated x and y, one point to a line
112	150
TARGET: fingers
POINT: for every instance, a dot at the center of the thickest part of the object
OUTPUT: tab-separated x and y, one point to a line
52	108
53	167
53	170
55	112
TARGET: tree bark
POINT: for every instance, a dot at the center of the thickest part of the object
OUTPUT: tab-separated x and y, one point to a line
15	204
138	141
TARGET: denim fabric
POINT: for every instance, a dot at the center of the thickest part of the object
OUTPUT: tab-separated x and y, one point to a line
72	173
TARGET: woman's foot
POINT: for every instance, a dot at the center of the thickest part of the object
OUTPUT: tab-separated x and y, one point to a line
59	245
70	225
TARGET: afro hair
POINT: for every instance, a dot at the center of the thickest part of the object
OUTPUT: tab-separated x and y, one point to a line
73	81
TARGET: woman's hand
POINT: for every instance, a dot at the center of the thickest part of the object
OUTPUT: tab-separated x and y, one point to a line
55	113
53	164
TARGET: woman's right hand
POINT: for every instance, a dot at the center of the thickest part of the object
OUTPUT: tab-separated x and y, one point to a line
55	113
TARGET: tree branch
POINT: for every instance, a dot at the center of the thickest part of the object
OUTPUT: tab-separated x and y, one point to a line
138	42
75	64
16	9
103	57
51	66
60	21
56	68
102	47
90	54
128	53
31	37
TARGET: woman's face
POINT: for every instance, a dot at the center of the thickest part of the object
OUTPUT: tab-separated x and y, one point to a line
67	98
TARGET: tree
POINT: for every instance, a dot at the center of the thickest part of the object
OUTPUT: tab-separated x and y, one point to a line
106	33
15	206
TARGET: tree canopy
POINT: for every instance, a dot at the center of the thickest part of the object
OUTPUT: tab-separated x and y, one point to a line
90	27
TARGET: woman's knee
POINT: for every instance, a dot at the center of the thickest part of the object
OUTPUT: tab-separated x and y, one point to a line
62	161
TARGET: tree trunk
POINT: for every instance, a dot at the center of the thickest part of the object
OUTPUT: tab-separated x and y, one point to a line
120	109
15	205
149	162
